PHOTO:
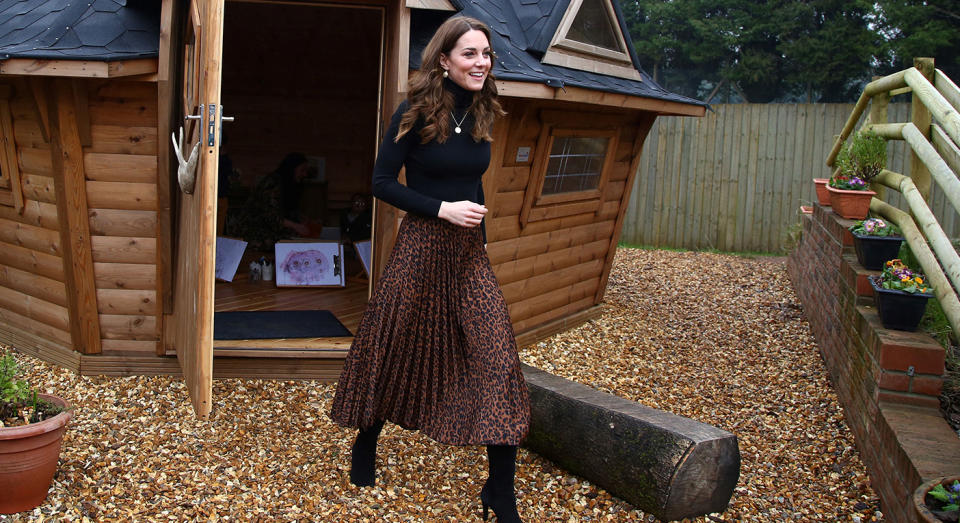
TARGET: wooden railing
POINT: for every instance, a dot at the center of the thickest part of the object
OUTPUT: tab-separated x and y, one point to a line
932	135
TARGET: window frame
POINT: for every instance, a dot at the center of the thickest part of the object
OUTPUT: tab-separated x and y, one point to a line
539	206
190	95
568	52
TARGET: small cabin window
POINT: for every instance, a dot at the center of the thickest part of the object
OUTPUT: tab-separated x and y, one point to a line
575	164
569	172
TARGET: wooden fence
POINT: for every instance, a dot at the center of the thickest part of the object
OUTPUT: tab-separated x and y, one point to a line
734	180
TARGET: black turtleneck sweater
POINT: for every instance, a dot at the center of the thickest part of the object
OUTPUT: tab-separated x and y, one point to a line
436	172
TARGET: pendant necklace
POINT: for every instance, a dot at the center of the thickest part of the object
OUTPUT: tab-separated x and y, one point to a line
457	128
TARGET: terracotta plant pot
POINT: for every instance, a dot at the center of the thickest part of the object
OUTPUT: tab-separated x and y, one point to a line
898	310
924	513
853	205
823	196
28	459
874	251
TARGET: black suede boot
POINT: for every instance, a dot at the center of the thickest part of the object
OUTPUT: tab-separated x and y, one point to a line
497	492
363	460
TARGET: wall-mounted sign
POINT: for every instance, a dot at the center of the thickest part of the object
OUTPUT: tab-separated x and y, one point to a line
523	154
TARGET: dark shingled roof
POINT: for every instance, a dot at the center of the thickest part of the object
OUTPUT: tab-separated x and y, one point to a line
102	30
107	30
522	31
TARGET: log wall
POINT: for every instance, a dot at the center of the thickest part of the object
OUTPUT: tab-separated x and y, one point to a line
114	124
555	264
552	266
121	170
33	296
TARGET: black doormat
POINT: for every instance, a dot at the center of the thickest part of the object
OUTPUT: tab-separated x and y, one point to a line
259	325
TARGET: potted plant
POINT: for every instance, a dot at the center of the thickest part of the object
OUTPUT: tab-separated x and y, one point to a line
901	295
823	195
938	500
875	241
858	163
31	429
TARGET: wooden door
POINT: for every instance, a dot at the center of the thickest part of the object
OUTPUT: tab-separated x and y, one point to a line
196	231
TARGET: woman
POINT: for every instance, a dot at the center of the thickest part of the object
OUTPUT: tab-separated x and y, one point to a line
272	211
435	350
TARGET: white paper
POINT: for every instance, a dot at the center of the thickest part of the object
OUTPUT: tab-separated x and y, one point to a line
229	252
363	250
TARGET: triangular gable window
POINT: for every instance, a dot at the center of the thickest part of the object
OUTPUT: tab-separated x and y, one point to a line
592	26
589	38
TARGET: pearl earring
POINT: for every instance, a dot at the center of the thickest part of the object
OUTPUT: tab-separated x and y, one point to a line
445	73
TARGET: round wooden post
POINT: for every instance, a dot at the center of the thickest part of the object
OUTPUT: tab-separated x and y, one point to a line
878	115
920	116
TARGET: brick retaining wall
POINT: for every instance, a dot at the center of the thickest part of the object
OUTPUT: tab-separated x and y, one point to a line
887	381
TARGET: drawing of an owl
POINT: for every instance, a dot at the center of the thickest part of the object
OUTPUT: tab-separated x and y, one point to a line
306	267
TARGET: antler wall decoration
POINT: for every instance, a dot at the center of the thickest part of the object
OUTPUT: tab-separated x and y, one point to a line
187	171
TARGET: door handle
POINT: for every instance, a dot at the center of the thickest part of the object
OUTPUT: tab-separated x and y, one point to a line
195	116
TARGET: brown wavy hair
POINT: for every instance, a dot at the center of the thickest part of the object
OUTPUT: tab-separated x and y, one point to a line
430	101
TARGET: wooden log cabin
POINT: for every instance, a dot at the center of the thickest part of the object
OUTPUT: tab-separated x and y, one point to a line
107	263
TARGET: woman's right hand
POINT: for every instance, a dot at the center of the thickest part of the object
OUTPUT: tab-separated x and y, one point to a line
463	213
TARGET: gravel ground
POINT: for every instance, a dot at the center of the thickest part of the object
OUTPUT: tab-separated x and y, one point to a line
717	338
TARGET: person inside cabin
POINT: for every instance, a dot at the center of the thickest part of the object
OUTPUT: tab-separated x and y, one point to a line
356	221
435	349
272	212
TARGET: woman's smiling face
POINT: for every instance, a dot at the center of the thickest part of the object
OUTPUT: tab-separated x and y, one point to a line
469	62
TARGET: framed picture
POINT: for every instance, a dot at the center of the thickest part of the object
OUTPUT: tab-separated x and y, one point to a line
229	252
309	264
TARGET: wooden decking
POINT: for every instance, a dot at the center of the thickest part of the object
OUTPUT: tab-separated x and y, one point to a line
346	303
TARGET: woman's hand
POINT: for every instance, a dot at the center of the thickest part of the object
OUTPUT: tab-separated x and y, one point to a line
463	213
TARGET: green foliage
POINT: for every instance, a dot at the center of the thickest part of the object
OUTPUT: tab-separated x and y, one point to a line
791	238
875	227
897	276
915	28
935	324
867	155
859	161
814	51
12	390
908	258
16	395
948	497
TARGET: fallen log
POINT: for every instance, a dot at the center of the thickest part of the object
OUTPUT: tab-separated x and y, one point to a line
666	465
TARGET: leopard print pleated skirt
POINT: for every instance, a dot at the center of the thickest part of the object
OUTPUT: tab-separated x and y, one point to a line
435	350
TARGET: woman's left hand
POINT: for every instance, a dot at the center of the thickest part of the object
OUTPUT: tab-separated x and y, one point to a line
463	213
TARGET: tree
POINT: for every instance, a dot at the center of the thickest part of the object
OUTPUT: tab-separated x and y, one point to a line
678	42
915	28
818	49
829	48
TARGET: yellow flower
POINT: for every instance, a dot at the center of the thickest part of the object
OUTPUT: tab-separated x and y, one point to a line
918	280
905	280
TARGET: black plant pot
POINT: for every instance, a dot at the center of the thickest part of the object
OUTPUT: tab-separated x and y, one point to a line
874	251
899	310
